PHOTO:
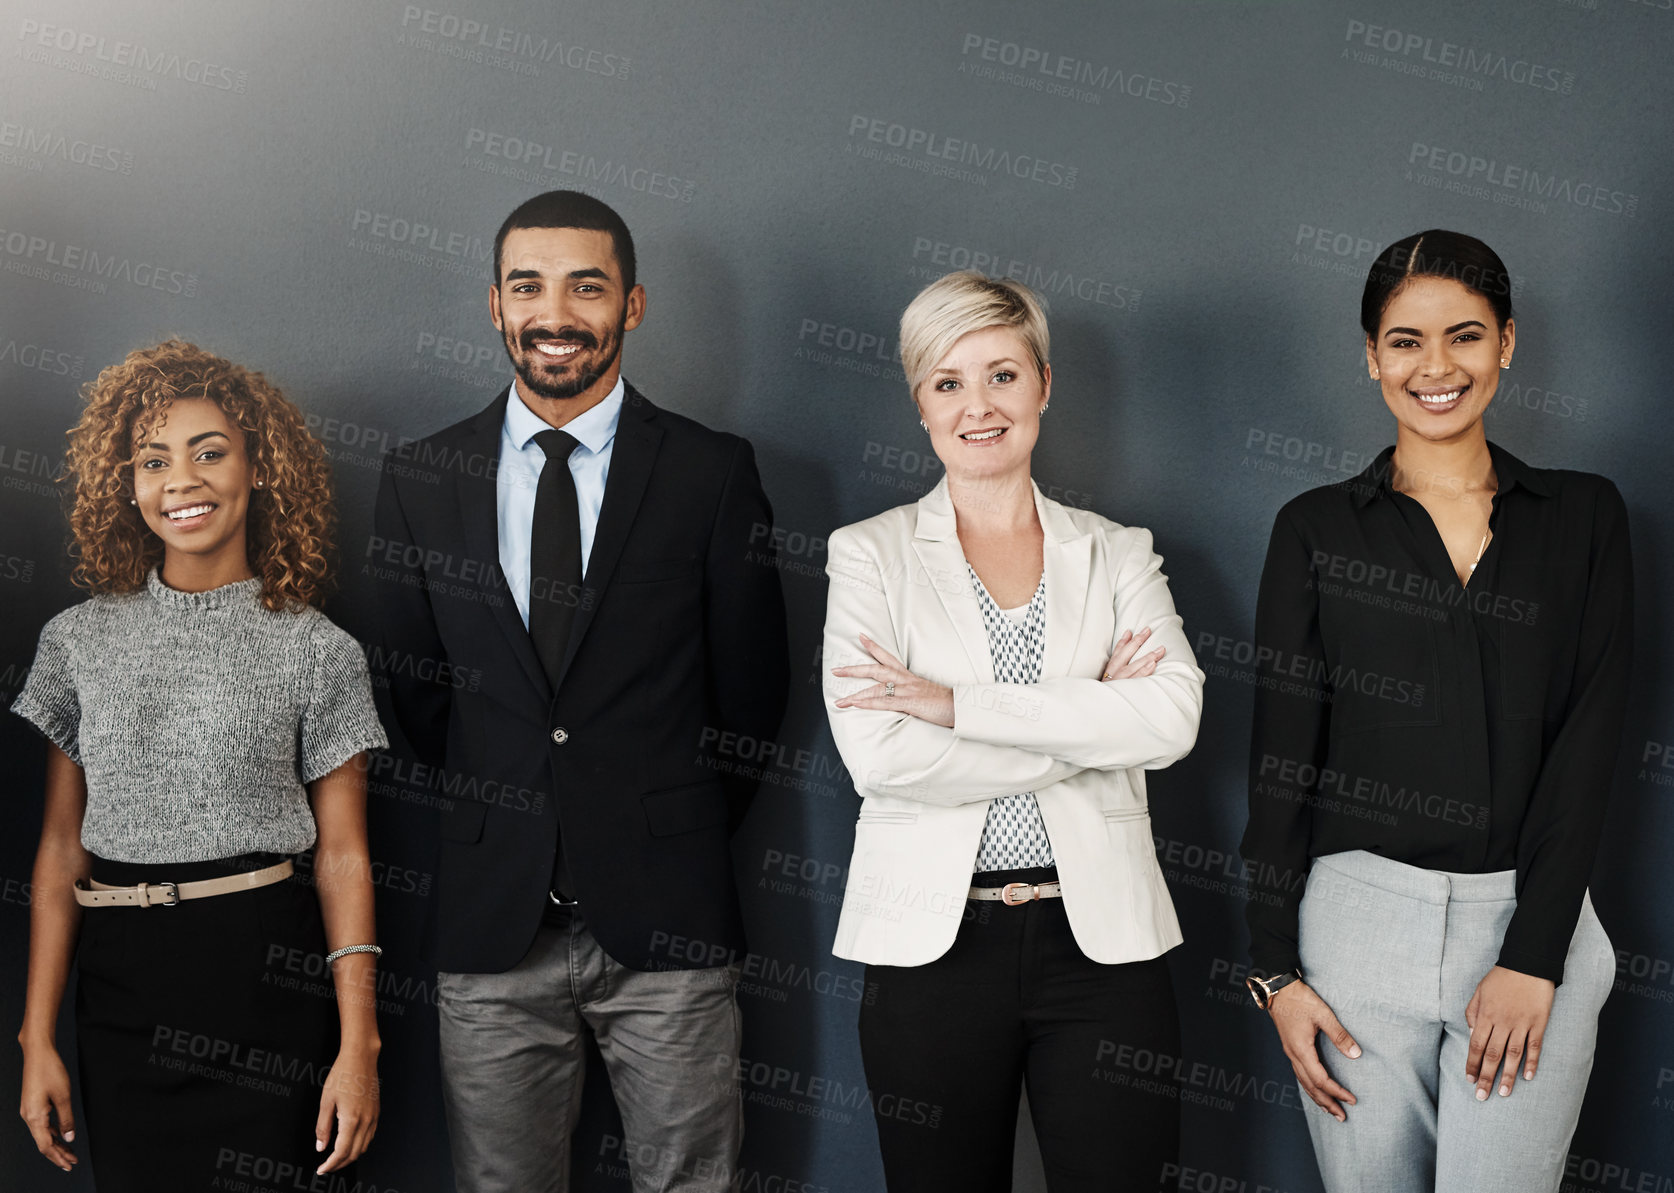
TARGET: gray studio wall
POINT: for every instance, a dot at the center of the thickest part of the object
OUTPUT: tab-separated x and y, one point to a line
312	189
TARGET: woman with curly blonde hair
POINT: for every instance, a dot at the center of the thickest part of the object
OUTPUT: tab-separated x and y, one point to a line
206	723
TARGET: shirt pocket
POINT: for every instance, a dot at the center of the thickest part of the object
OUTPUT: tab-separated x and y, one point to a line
1538	610
885	816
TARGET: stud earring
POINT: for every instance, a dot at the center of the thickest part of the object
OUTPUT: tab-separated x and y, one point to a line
131	501
1043	408
1376	376
924	424
258	484
1504	363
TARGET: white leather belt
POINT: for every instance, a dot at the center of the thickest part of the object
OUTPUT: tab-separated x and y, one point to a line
167	894
1015	894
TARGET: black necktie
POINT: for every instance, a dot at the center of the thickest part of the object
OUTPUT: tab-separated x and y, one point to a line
554	554
555	574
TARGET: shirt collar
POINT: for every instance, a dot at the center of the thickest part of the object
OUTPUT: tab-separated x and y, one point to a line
593	429
1512	473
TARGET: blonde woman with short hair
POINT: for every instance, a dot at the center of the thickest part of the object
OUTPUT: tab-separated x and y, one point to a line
1002	670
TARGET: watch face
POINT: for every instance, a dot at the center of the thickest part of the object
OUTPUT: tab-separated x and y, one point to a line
1257	992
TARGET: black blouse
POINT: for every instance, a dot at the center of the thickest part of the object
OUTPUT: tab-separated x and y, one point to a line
1465	728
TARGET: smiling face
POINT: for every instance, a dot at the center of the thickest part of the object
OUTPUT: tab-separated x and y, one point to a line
562	310
192	483
1438	356
982	404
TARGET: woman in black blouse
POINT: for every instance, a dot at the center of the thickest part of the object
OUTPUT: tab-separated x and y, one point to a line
1444	644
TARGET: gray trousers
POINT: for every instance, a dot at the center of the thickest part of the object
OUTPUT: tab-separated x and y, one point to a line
1397	952
513	1058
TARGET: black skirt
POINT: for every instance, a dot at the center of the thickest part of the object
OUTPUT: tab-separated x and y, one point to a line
204	1033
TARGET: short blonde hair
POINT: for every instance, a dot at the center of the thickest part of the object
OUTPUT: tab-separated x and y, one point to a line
952	307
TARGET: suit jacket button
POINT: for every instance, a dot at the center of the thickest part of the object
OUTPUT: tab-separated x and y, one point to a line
560	735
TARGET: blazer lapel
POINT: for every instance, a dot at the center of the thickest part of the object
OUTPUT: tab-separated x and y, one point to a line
943	568
1067	553
1068	557
479	510
632	459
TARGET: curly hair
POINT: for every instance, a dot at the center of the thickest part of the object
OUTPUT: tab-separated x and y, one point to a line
291	519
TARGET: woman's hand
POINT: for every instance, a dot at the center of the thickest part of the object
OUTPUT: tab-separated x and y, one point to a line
1300	1015
46	1091
914	696
1122	663
1507	1017
350	1097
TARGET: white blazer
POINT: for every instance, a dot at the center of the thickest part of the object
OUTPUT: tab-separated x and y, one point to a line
1080	744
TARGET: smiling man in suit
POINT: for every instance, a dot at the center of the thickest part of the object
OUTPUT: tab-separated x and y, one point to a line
595	563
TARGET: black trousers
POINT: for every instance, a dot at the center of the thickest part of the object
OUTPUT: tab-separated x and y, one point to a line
204	1033
947	1046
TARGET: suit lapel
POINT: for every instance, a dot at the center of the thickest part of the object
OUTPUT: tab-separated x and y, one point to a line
479	510
632	458
944	570
1068	557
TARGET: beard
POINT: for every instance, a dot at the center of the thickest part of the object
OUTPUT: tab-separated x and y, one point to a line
545	378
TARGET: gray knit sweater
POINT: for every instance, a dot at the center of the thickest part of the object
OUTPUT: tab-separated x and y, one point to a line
197	717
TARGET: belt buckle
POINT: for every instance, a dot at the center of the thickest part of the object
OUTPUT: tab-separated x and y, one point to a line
1005	893
145	888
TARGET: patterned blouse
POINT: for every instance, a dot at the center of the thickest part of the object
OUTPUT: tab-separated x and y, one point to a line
1014	836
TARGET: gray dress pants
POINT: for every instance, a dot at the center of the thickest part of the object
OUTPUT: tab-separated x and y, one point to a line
1397	952
513	1058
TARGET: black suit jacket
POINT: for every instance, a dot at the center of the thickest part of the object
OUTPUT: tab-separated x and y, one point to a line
678	642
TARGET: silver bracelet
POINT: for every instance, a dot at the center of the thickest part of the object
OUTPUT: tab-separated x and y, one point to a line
353	948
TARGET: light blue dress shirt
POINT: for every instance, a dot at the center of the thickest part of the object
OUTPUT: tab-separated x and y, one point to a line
521	461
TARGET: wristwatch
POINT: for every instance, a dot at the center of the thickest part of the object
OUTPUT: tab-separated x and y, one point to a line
1263	989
